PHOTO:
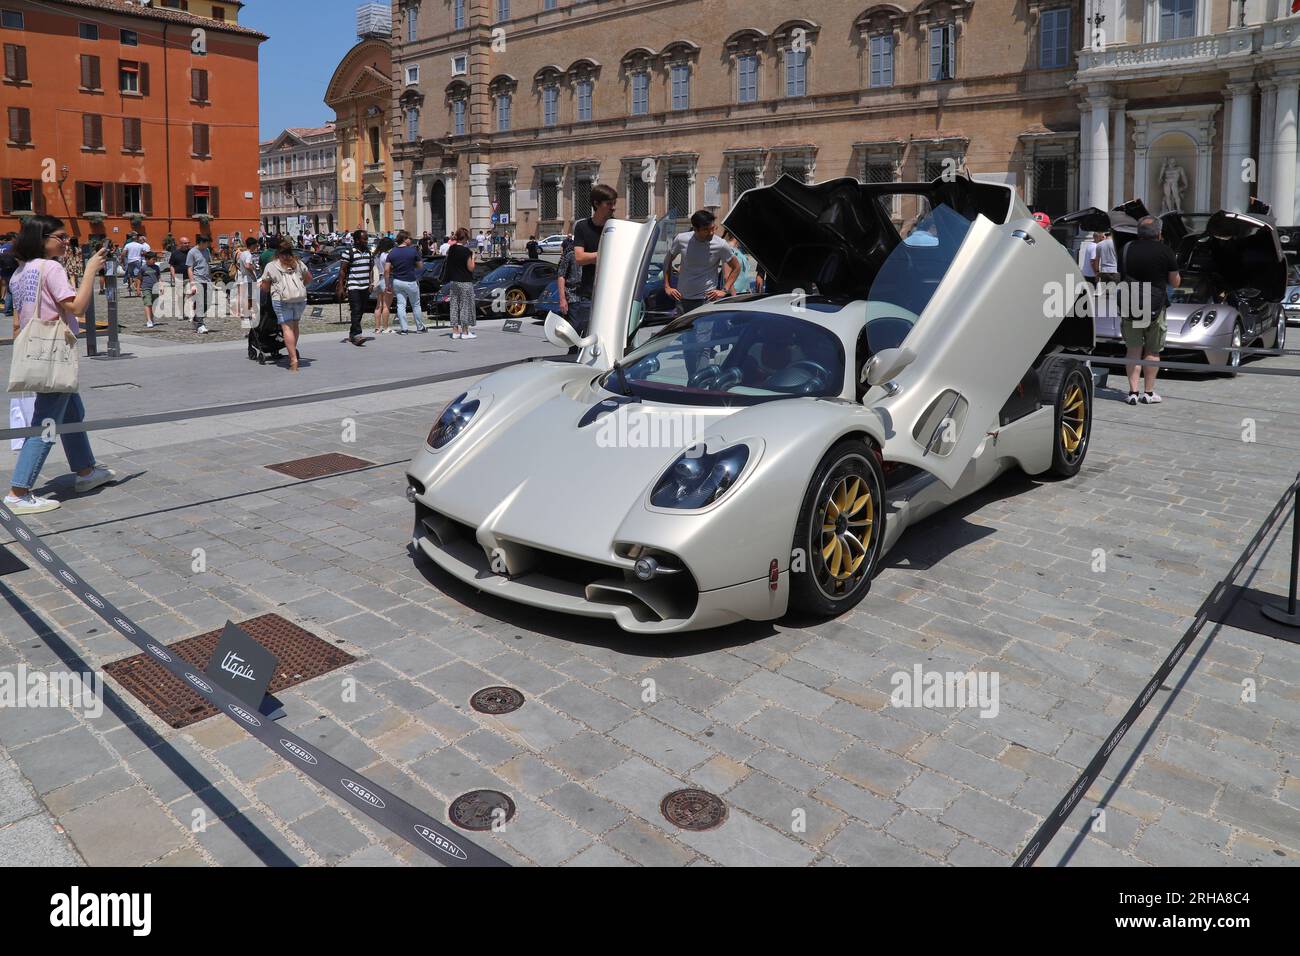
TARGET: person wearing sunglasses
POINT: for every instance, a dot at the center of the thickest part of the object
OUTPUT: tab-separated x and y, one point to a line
41	289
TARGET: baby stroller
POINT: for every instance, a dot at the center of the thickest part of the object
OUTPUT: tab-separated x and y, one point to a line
265	340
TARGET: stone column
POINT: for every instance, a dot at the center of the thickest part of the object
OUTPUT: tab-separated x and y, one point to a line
1284	151
420	222
1085	163
1236	148
1267	108
480	205
1099	152
1119	131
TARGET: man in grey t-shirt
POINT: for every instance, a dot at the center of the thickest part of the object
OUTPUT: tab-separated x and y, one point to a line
198	270
701	254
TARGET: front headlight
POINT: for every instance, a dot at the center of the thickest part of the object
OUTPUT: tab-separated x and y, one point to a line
1209	318
1294	297
453	420
1195	319
698	478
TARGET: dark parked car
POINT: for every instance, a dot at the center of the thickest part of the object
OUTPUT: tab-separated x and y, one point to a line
660	308
324	284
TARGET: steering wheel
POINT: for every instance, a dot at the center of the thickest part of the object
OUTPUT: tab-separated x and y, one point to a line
817	373
706	377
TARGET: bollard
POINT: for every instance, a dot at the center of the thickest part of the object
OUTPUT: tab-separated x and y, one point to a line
1289	615
88	325
113	350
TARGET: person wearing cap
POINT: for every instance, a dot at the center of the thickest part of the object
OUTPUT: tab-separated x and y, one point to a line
1043	219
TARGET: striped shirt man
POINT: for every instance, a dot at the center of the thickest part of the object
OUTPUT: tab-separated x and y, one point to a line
358	263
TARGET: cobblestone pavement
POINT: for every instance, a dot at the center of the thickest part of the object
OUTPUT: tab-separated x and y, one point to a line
789	722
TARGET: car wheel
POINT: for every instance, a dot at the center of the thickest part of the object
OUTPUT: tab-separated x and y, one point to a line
840	528
1279	340
1067	386
1234	351
516	302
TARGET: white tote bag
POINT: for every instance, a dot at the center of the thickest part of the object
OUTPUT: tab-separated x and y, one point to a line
45	352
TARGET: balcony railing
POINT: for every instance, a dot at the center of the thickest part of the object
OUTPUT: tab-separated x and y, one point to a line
1175	54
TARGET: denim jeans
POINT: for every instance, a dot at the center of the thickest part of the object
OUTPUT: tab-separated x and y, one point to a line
65	408
408	291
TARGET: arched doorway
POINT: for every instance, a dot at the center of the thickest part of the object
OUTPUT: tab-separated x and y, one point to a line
438	209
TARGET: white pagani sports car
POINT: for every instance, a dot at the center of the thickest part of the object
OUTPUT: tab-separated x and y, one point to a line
762	452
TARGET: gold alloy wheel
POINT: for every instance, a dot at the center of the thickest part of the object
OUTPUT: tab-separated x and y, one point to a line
848	520
1074	419
516	303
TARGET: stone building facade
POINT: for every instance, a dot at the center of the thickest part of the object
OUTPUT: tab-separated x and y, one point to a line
298	188
517	107
361	93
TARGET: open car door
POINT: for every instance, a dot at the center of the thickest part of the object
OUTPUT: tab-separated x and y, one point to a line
618	301
999	302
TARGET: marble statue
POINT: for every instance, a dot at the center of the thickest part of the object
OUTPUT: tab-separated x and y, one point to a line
1173	182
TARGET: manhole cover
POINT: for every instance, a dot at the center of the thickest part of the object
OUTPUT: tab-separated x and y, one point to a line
497	700
299	654
693	809
318	466
479	809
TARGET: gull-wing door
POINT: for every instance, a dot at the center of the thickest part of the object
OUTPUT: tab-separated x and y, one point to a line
1002	295
618	302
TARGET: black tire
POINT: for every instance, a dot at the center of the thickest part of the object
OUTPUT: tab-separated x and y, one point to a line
1279	337
1067	387
820	586
252	353
1230	369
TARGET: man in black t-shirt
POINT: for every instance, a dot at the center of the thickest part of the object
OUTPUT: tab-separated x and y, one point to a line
1149	263
586	250
534	248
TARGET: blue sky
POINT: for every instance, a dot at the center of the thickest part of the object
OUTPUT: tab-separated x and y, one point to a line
307	40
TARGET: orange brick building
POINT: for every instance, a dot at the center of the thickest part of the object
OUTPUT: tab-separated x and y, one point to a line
121	117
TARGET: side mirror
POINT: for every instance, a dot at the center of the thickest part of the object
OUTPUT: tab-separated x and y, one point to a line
886	365
562	335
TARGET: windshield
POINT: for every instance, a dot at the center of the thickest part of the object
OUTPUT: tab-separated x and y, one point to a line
502	274
732	358
1196	289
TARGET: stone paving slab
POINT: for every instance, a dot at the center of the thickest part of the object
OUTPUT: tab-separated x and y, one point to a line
789	722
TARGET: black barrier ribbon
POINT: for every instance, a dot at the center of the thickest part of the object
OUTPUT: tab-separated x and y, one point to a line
259	405
392	812
1180	366
1056	819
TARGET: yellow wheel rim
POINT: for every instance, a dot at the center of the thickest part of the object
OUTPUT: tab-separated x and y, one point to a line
1074	419
516	302
847	517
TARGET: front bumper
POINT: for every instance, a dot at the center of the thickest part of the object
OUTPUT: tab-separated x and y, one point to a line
561	582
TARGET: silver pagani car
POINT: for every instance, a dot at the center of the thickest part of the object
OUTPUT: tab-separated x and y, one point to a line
763	452
1233	288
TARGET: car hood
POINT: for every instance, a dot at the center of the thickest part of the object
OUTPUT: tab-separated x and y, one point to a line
1243	249
507	474
837	234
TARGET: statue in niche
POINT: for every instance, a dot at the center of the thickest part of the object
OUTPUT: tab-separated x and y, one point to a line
1173	183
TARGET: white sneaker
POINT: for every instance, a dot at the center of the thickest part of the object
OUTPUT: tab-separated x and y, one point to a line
469	335
202	330
455	335
1132	399
1150	398
99	475
29	504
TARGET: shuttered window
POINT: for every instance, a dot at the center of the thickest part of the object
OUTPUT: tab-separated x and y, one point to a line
199	86
131	141
15	63
20	125
201	144
90	72
92	131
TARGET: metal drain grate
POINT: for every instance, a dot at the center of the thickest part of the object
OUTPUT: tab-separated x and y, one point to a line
318	466
693	809
300	656
497	700
480	809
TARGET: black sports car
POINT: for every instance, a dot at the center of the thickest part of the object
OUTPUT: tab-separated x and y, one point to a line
323	288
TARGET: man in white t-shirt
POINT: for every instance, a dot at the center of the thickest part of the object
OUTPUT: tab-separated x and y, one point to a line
695	279
133	255
1087	258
